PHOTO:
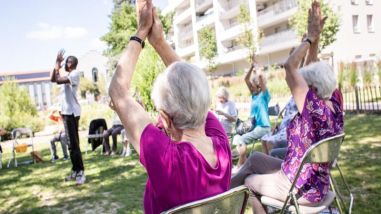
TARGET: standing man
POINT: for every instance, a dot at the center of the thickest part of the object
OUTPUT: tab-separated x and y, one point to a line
71	112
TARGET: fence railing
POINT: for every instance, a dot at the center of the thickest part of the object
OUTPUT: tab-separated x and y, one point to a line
362	99
280	37
276	9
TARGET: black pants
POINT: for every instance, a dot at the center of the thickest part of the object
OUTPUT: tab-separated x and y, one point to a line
71	129
114	131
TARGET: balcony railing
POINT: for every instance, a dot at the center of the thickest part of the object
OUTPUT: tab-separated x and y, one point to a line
183	46
232	48
283	36
277	8
185	30
231	5
200	18
199	2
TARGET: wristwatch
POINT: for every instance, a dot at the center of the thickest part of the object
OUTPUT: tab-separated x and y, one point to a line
135	38
307	40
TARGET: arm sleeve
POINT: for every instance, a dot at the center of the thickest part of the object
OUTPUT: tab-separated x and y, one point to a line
74	78
213	127
233	110
157	154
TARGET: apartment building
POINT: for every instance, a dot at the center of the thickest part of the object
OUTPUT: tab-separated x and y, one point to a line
356	39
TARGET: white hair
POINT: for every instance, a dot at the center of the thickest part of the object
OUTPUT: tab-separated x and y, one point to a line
321	75
222	91
254	78
182	91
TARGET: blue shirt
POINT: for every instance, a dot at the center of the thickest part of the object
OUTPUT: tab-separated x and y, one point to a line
260	109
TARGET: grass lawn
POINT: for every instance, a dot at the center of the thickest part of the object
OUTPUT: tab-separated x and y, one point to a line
115	184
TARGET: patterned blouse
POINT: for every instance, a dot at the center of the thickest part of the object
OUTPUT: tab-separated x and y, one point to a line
316	122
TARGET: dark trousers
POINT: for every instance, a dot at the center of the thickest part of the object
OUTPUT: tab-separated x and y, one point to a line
71	129
114	131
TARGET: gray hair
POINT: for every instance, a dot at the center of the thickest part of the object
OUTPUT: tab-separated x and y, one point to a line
254	78
321	75
182	91
222	91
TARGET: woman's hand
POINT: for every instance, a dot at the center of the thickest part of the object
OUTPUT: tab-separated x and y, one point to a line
219	112
155	36
60	59
144	10
111	105
315	22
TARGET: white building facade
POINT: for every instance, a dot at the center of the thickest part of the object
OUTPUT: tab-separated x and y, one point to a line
356	38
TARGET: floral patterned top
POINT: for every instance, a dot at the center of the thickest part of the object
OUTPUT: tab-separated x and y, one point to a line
316	122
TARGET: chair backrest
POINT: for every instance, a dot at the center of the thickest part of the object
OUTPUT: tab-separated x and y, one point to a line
274	110
21	131
324	151
231	202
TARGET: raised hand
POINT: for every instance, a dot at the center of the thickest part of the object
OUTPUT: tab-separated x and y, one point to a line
255	60
144	12
156	34
60	59
315	22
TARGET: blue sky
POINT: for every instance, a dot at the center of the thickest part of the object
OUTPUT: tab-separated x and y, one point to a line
32	31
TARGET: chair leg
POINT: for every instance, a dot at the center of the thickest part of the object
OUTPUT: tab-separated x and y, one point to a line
86	148
1	163
295	203
10	158
347	187
285	204
339	200
252	148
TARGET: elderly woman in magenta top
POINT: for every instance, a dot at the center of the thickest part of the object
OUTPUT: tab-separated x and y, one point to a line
319	116
194	161
256	83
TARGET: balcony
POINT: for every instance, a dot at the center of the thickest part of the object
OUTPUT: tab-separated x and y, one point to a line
183	17
231	33
232	54
231	9
276	13
186	50
202	5
279	41
186	33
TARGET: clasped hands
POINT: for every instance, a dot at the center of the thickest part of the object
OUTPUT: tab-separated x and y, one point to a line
149	23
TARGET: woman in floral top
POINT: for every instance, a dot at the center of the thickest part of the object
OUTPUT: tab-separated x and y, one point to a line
319	116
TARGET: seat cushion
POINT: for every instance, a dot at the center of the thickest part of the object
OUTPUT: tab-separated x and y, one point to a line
303	209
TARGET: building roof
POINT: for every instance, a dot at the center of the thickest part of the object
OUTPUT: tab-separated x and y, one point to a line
26	76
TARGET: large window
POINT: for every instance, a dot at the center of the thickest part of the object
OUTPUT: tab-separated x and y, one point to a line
355	2
356	25
369	2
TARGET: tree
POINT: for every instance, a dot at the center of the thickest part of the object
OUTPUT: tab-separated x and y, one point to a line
248	39
102	85
299	21
149	66
85	86
208	47
124	25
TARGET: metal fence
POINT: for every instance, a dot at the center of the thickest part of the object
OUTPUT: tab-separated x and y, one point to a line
362	99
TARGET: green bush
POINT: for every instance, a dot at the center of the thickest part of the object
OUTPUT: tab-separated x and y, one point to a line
95	111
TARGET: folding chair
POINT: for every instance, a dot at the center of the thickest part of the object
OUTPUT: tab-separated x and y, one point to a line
324	151
1	163
15	134
98	135
231	202
339	199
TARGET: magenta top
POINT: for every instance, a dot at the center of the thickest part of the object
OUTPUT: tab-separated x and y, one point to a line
178	173
316	122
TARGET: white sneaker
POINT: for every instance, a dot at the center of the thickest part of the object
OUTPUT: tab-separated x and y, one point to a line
129	152
235	170
81	178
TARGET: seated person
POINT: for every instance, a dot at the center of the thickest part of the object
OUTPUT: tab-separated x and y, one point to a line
278	139
319	117
193	161
59	137
116	129
226	110
259	110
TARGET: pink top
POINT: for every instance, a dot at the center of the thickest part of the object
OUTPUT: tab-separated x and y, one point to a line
178	173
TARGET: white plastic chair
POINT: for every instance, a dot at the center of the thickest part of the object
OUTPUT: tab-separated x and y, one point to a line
15	134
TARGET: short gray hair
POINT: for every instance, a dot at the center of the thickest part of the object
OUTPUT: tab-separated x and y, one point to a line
254	78
321	75
182	91
222	91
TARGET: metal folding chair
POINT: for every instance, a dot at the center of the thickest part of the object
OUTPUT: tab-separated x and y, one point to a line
339	198
231	202
98	134
15	134
324	151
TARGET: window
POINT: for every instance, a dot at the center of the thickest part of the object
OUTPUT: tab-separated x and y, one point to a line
369	2
355	2
356	26
369	19
95	74
358	57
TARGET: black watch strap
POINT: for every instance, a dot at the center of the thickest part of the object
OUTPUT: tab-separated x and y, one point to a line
307	40
135	38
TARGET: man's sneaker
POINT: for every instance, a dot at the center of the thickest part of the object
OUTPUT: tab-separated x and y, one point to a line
65	158
54	159
71	177
81	178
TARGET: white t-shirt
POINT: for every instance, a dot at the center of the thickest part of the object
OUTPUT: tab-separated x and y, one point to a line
230	109
69	101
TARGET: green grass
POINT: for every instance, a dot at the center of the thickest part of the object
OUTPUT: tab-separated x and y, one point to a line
116	185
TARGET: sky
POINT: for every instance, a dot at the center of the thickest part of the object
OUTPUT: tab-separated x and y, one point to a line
33	31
